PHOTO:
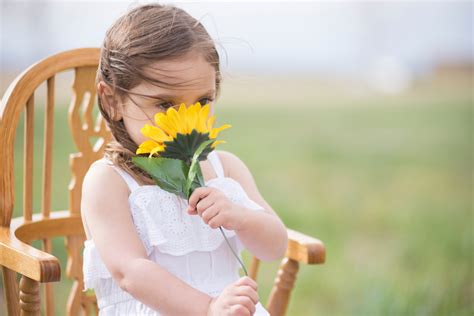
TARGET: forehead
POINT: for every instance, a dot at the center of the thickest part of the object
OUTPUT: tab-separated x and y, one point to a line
185	76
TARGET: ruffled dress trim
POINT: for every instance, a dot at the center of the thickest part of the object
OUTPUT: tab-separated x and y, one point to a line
171	229
163	224
94	268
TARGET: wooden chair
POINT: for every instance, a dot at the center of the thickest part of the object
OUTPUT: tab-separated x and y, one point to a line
39	266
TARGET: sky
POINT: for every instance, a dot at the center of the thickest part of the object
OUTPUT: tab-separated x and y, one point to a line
337	38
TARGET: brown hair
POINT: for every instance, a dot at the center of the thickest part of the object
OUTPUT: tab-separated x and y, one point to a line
147	33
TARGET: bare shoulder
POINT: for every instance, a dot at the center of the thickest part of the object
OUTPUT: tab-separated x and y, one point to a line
236	169
230	162
103	172
103	181
106	214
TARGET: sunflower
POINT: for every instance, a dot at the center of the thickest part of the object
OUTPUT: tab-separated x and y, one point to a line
179	133
186	136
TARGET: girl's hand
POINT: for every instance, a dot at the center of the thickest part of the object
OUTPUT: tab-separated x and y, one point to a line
216	209
237	299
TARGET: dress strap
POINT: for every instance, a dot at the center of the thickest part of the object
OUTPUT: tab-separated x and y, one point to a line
213	157
131	182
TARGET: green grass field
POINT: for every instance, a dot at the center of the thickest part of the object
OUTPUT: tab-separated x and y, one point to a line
387	186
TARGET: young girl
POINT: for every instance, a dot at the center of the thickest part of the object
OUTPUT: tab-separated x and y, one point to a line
150	252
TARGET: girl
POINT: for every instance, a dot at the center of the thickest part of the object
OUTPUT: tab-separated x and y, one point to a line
150	252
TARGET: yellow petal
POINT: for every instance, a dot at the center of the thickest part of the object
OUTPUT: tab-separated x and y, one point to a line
174	118
155	150
192	116
183	120
182	111
171	115
217	142
187	120
147	146
155	133
210	122
216	131
198	106
162	121
202	118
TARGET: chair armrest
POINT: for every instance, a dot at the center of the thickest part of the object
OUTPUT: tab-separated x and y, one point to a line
27	260
305	249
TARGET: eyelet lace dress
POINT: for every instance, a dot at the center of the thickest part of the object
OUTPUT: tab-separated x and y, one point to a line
181	243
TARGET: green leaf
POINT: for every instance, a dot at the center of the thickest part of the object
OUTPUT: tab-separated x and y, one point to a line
169	174
195	169
197	182
181	174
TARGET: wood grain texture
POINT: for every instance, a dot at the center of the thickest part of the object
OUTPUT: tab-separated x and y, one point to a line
83	129
253	271
301	249
304	248
284	282
13	104
29	297
11	292
48	289
16	255
28	158
48	149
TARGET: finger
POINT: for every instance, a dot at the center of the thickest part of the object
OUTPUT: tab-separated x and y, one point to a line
247	290
239	310
216	221
192	211
245	280
198	194
204	204
209	213
246	302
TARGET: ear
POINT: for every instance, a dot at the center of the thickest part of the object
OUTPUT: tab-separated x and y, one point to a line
109	101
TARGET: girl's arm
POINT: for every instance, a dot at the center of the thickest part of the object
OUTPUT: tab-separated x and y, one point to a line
263	233
105	207
153	285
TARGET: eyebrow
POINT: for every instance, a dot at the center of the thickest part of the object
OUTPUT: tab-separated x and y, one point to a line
168	97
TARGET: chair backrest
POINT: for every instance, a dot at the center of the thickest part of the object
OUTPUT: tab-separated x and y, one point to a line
44	268
38	267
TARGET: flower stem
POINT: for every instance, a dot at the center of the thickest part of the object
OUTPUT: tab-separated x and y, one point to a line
236	256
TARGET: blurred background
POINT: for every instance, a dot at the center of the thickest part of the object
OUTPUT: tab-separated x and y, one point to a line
355	119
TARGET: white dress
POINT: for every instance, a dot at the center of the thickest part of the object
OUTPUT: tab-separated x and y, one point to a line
181	243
